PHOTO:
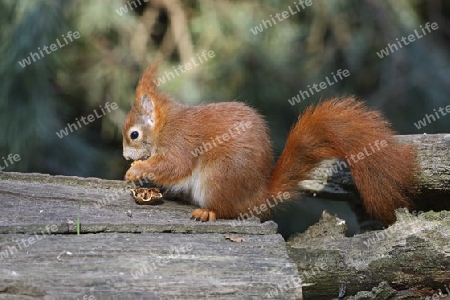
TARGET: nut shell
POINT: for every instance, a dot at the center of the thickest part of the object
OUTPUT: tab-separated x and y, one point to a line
146	195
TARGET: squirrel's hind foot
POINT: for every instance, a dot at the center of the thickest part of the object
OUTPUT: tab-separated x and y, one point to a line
204	215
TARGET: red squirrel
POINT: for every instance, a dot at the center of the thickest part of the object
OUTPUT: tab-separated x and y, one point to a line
220	157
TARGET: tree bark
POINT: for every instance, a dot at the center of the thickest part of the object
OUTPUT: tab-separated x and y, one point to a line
412	255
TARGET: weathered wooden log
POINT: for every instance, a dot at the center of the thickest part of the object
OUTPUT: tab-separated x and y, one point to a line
412	256
331	181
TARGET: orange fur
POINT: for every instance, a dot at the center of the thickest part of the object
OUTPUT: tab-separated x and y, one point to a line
236	175
340	128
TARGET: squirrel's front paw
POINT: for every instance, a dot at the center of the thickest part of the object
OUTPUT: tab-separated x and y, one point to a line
138	172
133	175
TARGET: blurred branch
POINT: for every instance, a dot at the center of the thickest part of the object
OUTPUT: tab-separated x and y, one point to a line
178	28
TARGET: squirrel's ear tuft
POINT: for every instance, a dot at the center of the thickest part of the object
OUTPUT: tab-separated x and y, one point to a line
147	106
148	80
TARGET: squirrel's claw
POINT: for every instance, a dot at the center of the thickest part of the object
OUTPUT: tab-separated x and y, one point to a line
201	214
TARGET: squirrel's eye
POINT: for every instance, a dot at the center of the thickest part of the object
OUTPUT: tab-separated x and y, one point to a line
134	135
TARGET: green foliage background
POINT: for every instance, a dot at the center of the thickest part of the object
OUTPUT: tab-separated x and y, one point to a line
263	70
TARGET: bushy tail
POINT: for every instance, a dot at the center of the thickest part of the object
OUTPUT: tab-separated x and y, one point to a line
383	170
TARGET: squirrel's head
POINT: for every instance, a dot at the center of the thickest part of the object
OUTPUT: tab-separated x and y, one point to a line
143	122
137	130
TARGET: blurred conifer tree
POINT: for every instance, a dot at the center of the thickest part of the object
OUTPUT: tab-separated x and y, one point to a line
263	70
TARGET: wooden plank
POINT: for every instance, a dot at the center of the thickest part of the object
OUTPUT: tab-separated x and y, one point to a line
147	266
157	253
30	202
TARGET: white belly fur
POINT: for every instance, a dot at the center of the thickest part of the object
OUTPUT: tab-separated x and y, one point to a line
192	186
